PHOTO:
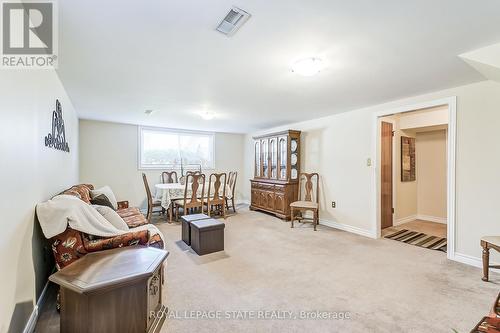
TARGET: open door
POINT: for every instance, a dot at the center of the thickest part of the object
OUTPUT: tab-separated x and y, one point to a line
386	174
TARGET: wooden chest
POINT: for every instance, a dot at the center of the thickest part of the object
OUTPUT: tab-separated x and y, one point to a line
117	290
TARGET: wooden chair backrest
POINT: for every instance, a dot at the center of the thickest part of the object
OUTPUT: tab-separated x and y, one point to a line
194	181
233	176
193	173
307	180
169	177
215	181
148	190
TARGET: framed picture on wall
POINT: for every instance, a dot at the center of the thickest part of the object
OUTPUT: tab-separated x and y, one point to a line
408	162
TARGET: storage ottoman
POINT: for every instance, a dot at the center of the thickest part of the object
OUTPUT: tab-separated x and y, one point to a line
186	227
207	236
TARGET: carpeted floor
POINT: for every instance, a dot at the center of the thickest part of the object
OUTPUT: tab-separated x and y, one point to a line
385	286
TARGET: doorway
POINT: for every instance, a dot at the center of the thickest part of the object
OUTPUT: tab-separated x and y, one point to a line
420	125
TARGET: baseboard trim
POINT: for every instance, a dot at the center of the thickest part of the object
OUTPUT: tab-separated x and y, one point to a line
405	219
429	218
436	219
348	228
30	325
468	260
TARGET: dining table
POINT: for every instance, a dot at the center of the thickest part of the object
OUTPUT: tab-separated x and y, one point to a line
166	193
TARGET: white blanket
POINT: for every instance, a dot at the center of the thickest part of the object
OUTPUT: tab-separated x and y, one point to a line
55	215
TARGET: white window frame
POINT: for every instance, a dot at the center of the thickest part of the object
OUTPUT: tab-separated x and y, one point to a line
140	130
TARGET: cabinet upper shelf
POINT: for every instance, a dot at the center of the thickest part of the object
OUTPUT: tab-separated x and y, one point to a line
277	156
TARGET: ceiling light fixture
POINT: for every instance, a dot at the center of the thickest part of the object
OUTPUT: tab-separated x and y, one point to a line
149	112
307	66
207	115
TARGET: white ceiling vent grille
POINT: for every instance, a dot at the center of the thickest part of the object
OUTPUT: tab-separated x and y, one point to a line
233	21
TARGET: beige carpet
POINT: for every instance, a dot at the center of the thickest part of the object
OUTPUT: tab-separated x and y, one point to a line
386	286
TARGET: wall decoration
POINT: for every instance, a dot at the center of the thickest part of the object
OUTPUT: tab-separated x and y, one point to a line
408	161
57	139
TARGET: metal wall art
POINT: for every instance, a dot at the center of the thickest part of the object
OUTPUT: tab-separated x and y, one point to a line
57	139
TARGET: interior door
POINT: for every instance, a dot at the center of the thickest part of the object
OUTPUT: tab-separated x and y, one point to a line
386	175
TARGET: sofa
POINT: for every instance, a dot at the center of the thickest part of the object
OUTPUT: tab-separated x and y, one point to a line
71	245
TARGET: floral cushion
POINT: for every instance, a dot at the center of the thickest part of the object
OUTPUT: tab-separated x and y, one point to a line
82	191
71	245
128	239
67	248
487	325
132	216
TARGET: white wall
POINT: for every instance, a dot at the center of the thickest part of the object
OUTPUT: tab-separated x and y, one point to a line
108	156
338	147
431	152
30	173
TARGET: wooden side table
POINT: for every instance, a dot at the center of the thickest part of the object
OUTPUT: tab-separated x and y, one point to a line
118	290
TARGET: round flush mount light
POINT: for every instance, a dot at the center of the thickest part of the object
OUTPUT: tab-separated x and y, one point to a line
207	115
307	66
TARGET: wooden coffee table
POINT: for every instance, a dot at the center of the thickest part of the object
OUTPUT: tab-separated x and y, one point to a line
118	290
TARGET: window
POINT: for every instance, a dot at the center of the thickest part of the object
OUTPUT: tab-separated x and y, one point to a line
168	149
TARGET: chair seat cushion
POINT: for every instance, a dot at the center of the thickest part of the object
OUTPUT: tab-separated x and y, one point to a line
495	240
304	204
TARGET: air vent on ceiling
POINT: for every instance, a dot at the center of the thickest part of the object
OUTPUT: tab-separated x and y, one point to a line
233	21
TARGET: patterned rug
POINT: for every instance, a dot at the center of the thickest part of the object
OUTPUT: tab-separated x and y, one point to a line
419	239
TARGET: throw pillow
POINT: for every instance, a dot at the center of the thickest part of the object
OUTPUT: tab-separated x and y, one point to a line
106	190
112	217
102	200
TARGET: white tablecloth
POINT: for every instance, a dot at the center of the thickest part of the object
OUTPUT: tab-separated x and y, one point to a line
168	192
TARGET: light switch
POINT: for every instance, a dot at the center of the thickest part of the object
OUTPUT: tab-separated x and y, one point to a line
368	162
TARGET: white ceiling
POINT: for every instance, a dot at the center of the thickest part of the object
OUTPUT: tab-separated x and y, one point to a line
118	58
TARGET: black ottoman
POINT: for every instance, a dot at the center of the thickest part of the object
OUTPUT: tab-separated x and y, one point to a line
207	236
186	228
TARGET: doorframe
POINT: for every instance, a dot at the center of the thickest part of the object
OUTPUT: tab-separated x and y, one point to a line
451	102
394	164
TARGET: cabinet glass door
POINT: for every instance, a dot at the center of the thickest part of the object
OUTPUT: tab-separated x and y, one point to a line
264	145
273	143
283	150
257	159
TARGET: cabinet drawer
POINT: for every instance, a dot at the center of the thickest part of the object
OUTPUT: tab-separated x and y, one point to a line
267	187
280	188
263	186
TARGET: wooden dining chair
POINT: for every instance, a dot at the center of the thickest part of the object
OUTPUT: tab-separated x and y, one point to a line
214	199
311	198
233	176
487	243
194	200
151	202
169	177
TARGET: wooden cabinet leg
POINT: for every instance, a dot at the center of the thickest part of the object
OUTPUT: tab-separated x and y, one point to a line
486	262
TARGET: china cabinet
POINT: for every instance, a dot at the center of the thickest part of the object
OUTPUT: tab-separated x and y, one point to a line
276	172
